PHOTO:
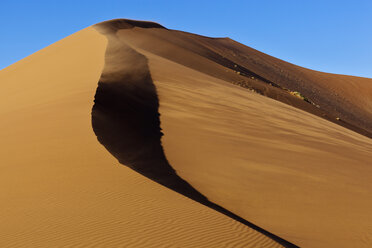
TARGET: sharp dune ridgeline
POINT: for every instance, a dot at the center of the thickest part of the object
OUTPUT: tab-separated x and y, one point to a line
128	134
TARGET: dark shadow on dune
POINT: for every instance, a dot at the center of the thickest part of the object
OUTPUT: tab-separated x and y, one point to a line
125	118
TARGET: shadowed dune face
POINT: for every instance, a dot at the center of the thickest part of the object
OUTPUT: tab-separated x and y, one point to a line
125	115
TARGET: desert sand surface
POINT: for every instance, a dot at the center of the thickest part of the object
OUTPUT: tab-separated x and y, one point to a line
61	188
127	134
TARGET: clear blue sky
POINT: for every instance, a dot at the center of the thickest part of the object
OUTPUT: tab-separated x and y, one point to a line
326	35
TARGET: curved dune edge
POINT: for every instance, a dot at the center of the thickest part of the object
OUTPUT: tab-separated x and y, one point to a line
59	187
125	118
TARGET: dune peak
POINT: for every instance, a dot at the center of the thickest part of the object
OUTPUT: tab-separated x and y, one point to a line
117	24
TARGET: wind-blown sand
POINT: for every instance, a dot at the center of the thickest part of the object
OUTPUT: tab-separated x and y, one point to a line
253	169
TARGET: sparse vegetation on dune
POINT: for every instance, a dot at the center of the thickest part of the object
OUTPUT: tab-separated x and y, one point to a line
299	95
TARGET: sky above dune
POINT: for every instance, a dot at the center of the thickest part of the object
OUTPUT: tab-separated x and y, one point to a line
332	36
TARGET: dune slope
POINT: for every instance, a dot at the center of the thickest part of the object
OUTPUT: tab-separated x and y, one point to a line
61	188
285	167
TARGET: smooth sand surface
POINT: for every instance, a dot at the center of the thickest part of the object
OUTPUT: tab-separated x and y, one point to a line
61	188
297	175
208	118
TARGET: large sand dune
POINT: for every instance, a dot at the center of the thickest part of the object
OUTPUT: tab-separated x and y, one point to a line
94	126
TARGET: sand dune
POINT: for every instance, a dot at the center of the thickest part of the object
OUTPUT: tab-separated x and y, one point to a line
61	188
94	126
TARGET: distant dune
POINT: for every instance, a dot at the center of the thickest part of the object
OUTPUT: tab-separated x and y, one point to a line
128	134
